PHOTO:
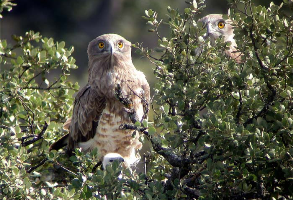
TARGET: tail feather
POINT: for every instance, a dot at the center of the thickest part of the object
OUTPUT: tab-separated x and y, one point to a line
62	142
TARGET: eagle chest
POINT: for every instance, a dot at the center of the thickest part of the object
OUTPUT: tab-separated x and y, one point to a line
110	121
110	137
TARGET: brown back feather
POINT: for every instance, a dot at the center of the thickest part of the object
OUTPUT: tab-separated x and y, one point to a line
88	107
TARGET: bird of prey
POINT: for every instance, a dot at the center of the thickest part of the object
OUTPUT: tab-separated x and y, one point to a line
217	26
98	113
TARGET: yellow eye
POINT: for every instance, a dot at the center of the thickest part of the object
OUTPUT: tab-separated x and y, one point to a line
221	25
101	45
120	45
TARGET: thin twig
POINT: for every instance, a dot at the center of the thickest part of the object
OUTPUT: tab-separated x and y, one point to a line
38	165
96	166
5	127
48	88
64	168
35	77
271	97
36	138
26	68
239	108
27	108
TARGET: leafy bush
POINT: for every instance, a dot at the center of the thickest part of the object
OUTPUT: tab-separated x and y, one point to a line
240	145
221	129
32	107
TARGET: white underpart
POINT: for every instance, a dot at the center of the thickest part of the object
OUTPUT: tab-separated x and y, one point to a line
111	131
133	160
109	141
138	101
88	145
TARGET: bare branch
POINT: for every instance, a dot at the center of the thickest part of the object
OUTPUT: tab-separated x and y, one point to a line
239	108
38	165
35	138
35	77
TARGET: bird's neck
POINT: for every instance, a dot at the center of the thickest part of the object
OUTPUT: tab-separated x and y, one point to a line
106	74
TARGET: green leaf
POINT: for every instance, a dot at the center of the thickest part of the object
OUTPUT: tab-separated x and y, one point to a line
283	94
27	182
51	185
137	124
33	52
4	44
194	4
43	192
147	13
76	183
151	130
145	123
19	60
17	129
42	56
61	45
50	42
46	81
187	10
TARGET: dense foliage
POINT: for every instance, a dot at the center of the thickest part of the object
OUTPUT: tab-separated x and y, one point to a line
221	130
228	124
32	107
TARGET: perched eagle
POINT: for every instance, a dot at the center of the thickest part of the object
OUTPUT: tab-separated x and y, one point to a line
216	26
97	112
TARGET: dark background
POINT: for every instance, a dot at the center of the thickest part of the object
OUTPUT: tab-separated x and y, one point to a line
77	22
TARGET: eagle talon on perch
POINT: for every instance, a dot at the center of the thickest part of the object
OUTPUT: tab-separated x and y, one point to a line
102	105
124	100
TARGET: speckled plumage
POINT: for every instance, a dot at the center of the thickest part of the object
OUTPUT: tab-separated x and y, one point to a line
97	113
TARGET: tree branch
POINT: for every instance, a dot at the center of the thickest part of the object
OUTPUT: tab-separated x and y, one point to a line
239	108
271	97
35	77
40	88
35	138
172	158
38	165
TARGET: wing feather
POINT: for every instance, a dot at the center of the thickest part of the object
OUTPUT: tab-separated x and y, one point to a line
87	110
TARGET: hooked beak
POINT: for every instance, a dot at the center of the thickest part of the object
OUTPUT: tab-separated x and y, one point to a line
209	30
112	48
